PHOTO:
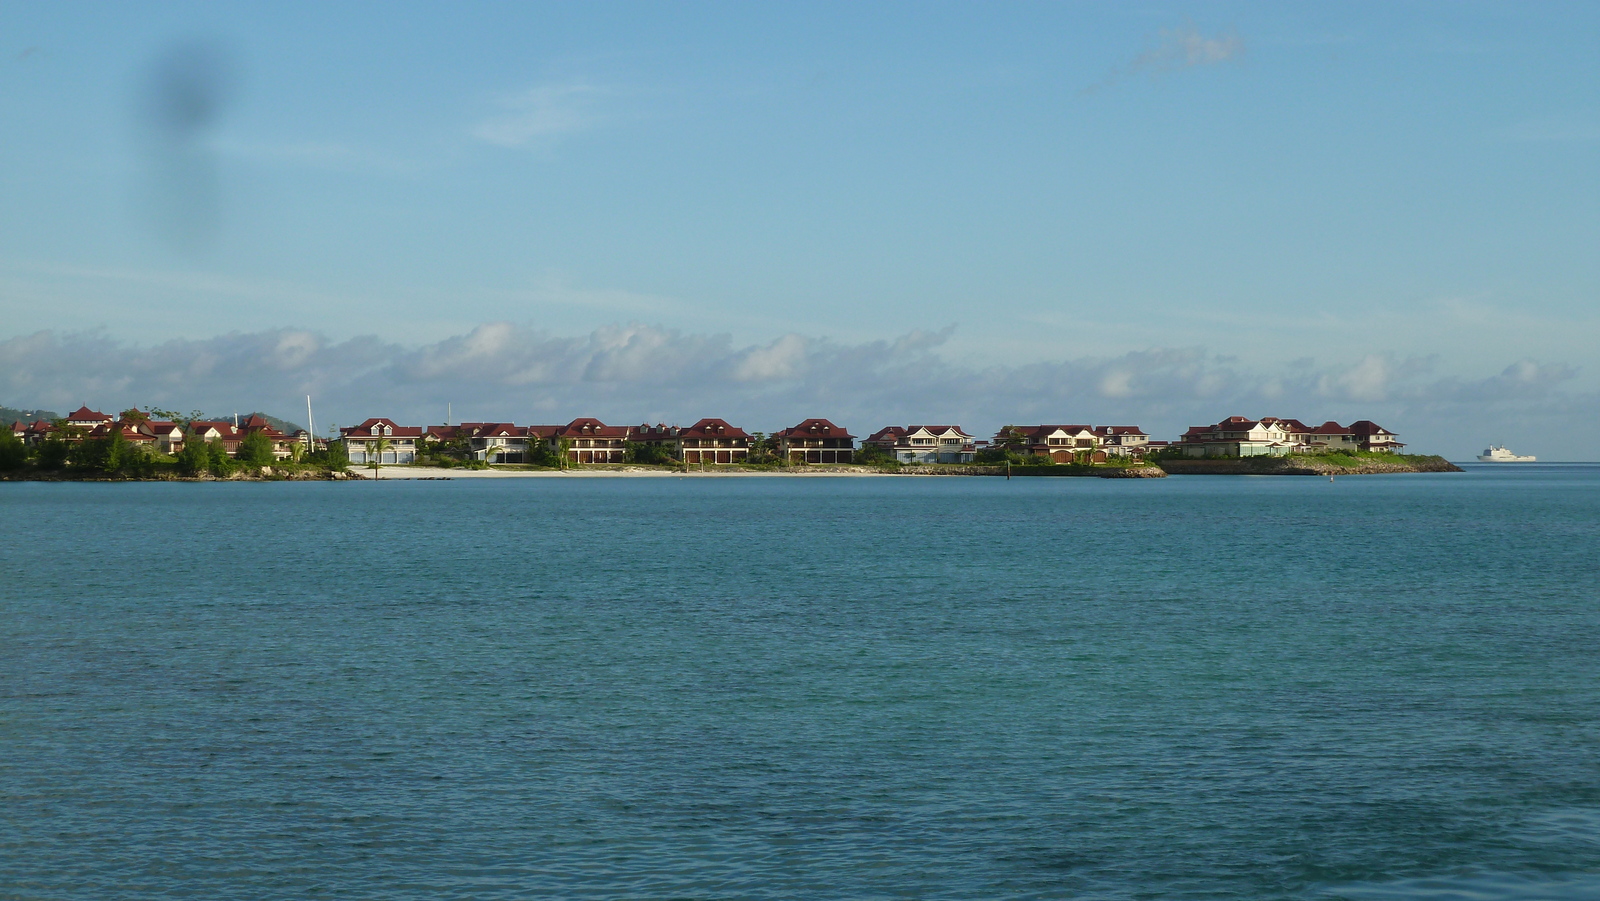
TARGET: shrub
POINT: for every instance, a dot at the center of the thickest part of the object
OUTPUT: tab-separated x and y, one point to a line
873	455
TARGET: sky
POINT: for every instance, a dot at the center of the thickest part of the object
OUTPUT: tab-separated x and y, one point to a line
1159	214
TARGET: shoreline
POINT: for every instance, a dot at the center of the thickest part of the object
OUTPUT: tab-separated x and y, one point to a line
1274	466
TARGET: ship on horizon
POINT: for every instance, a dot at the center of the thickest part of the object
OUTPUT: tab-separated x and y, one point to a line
1495	453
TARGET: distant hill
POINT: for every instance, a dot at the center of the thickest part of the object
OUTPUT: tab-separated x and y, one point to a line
8	415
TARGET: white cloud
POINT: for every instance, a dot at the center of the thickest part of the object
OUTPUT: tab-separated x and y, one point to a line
1176	49
626	373
542	113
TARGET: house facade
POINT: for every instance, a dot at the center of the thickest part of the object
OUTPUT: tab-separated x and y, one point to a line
381	441
1122	440
1237	436
815	441
926	443
1060	443
588	440
1370	436
712	441
86	419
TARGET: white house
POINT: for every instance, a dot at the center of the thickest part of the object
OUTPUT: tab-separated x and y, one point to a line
930	444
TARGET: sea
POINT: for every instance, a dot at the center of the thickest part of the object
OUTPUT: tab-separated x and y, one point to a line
1379	687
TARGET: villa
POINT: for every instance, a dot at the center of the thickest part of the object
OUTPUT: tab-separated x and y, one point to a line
926	443
713	441
815	441
382	441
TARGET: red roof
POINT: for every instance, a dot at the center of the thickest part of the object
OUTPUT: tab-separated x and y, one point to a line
225	428
813	428
395	431
84	414
647	432
1367	427
714	428
1330	428
589	427
888	433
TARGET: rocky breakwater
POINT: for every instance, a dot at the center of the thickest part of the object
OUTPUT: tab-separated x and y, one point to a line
1307	465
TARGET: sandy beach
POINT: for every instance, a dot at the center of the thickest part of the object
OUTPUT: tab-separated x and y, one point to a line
439	472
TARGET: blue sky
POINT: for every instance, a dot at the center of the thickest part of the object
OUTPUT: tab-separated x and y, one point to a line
1161	213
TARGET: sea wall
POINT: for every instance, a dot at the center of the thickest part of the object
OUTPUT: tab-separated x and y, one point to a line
1304	466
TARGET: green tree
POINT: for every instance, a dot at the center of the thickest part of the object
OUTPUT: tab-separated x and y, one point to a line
115	452
194	458
220	463
13	453
874	455
649	454
255	449
540	453
52	452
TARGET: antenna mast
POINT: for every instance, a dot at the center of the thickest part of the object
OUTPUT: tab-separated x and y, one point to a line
311	429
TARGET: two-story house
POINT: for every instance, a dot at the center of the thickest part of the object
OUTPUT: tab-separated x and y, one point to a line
208	430
1061	443
380	440
1237	436
1370	436
1122	440
815	441
926	443
588	440
713	441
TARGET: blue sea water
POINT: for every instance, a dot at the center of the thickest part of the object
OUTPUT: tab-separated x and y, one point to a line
1198	687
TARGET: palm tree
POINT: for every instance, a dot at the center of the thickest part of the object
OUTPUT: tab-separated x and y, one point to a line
375	452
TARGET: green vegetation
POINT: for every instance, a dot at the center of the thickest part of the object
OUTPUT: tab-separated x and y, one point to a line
647	454
255	449
13	453
873	455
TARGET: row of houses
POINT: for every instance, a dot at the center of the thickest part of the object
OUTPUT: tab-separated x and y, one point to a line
588	440
162	436
716	441
1238	436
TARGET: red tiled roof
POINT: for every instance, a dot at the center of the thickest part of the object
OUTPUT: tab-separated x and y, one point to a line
714	428
888	433
813	428
589	427
225	428
84	414
1330	428
364	430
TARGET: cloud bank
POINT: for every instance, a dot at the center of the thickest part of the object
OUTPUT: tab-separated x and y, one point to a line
1176	49
632	373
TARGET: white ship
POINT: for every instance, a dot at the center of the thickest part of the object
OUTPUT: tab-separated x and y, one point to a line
1494	453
